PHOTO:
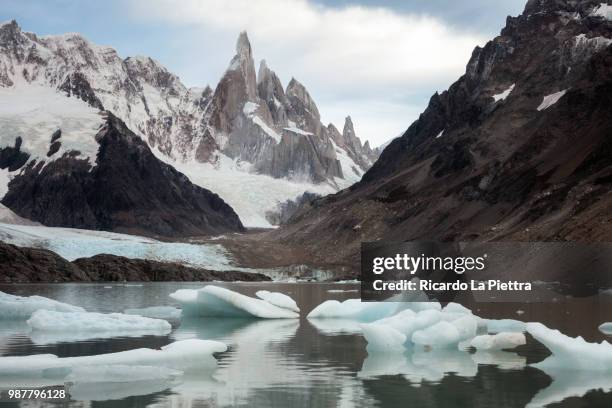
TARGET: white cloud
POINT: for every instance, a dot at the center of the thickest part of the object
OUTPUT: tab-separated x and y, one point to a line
347	57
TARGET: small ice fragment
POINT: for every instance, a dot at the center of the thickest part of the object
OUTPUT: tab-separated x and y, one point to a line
499	341
606	328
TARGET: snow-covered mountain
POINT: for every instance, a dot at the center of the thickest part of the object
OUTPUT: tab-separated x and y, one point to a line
250	140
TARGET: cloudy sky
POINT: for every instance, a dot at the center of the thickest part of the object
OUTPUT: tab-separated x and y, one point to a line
377	60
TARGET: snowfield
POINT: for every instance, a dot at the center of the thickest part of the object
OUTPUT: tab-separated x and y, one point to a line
550	100
34	112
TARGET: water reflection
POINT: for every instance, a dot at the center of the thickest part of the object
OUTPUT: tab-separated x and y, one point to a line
317	363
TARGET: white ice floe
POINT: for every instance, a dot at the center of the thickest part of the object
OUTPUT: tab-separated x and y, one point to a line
499	341
278	299
502	96
606	328
156	312
550	100
71	322
181	355
355	309
571	353
214	301
18	307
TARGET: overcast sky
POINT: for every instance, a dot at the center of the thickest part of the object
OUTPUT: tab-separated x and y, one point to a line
377	60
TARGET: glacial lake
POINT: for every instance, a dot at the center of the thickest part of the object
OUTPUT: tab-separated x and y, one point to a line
324	363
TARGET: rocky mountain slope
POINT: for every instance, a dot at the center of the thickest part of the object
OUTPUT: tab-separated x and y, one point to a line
107	179
247	133
519	148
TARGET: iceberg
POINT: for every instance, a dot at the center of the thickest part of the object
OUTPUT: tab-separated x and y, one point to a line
156	312
499	341
441	335
214	301
278	299
182	355
355	309
70	322
21	308
381	337
606	328
571	353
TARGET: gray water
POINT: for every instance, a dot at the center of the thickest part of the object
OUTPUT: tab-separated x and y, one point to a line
298	363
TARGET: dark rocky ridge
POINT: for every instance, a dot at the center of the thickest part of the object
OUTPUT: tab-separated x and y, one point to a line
18	264
127	190
502	170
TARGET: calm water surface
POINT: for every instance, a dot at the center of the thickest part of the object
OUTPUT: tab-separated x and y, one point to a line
299	363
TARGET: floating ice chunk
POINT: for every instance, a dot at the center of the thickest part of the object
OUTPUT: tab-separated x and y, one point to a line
453	307
440	335
505	325
181	355
214	301
336	326
70	322
342	290
18	307
502	96
606	328
355	309
550	100
499	341
278	299
381	337
157	312
571	353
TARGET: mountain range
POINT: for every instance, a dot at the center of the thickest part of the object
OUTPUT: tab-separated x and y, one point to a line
250	141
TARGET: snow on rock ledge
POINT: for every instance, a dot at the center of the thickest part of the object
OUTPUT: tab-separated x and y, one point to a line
214	301
181	355
21	308
67	322
550	100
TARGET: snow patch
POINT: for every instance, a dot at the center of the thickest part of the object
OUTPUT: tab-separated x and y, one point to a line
440	134
298	131
35	112
550	100
502	96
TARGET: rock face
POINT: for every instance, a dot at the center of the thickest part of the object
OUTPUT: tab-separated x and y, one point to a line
127	189
39	265
518	148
